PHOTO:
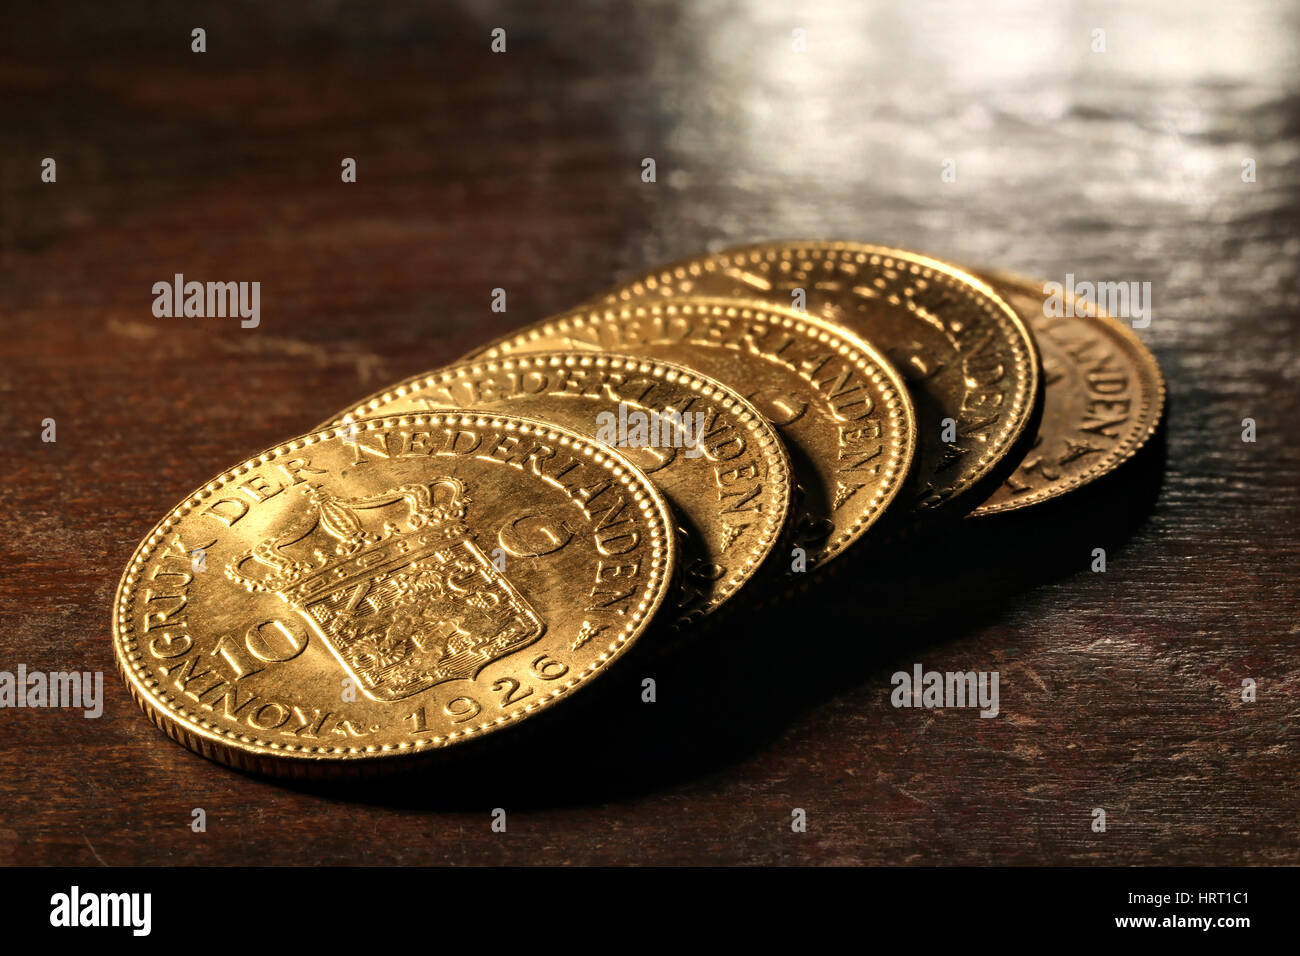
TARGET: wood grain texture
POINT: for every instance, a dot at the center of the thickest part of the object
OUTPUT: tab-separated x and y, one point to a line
523	171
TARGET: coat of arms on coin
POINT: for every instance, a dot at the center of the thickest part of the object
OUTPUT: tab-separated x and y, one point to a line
394	586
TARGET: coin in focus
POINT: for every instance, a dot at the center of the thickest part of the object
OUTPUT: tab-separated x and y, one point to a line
718	461
1103	399
350	597
965	354
840	407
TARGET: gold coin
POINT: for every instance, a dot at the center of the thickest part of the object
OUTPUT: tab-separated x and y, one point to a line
345	599
1103	400
841	409
717	460
965	354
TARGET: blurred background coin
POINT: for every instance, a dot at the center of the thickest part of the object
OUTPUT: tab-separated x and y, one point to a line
1103	400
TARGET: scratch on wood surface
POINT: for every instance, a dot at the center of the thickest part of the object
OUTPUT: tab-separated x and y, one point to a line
369	366
93	851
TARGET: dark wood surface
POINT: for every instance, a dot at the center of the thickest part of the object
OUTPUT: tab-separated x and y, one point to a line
522	171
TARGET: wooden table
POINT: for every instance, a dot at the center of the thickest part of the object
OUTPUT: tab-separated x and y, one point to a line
523	171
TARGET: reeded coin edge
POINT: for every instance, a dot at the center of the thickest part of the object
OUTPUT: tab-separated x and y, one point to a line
764	432
247	752
845	342
1146	422
979	292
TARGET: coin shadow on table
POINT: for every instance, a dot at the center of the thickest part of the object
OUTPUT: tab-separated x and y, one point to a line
726	693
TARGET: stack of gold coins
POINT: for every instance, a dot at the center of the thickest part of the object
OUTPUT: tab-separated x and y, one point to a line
469	547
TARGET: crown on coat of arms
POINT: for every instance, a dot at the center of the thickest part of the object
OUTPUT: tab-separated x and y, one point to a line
404	601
